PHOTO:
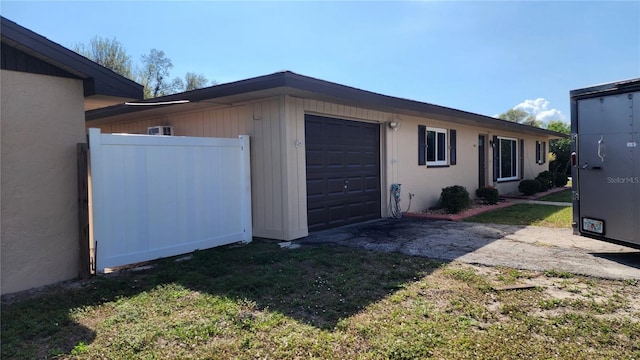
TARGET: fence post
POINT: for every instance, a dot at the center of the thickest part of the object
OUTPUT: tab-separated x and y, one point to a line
83	210
245	174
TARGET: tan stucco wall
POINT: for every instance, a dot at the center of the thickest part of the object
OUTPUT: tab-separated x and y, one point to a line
427	182
42	119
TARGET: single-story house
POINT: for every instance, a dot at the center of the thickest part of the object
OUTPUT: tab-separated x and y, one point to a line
45	91
325	155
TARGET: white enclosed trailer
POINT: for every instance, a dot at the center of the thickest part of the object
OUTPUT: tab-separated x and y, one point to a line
605	136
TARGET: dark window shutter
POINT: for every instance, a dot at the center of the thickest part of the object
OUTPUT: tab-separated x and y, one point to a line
422	144
538	152
544	152
452	142
521	159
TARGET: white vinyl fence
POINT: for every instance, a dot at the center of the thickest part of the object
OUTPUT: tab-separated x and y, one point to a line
160	196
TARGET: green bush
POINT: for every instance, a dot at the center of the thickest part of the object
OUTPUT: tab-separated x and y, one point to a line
560	179
544	184
547	179
529	187
489	194
454	199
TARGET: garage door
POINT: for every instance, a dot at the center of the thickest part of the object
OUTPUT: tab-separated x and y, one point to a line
343	172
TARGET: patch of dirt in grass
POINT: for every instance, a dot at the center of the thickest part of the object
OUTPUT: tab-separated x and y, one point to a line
607	298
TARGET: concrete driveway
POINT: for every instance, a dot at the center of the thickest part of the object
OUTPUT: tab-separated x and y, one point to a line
530	247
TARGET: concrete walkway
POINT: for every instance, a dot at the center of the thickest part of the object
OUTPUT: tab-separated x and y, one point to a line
540	202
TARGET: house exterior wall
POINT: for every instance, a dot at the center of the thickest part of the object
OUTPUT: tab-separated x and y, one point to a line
276	127
399	152
427	182
42	120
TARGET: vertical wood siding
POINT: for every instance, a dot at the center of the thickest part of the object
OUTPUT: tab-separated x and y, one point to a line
262	121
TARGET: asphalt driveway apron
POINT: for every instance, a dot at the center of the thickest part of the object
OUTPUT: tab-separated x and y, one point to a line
522	247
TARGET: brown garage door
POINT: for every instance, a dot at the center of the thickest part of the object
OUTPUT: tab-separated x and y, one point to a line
343	171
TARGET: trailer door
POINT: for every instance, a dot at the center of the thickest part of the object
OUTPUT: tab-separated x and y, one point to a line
609	166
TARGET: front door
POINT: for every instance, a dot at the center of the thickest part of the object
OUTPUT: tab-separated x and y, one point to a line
482	161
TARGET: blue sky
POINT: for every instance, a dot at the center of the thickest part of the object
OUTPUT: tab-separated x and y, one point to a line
482	57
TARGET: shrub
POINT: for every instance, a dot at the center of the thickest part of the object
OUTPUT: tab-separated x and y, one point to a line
454	199
544	184
529	187
489	194
560	179
546	178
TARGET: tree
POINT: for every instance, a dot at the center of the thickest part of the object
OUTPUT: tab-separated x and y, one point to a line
521	117
109	53
560	148
195	81
192	81
154	75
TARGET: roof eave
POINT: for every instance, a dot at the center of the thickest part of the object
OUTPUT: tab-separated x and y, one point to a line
97	79
326	89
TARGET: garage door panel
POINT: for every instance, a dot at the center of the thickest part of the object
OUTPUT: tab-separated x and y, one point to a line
350	155
313	130
336	213
315	215
355	210
315	158
315	187
335	158
334	129
335	186
355	184
370	159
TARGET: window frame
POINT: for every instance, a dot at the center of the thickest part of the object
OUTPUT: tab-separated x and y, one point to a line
444	149
541	152
514	160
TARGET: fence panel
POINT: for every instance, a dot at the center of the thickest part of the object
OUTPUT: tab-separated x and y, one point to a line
160	196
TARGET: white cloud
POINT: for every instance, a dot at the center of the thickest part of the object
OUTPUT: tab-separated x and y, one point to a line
548	115
533	106
540	109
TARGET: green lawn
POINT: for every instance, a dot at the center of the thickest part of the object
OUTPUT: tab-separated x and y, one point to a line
528	214
561	196
325	302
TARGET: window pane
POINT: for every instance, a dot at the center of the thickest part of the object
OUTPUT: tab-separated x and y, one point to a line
441	146
506	158
431	146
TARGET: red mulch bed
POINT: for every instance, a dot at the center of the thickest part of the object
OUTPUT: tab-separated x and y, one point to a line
505	200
